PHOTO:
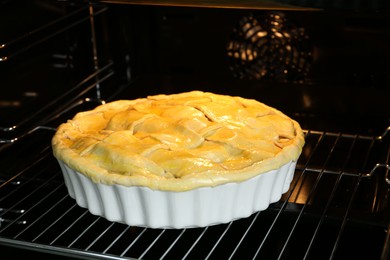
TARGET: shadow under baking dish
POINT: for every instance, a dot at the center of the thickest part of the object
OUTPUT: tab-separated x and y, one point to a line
200	207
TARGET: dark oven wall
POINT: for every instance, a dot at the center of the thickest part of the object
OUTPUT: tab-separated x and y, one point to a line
320	66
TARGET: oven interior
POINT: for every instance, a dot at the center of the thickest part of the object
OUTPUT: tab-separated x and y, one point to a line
328	69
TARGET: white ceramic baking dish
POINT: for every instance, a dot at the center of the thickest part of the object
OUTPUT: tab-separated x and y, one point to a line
142	206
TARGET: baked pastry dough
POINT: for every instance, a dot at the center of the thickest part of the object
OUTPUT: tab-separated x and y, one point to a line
178	142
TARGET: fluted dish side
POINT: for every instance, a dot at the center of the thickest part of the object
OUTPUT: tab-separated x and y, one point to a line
142	206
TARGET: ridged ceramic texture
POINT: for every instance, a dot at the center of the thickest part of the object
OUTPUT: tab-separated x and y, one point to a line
142	206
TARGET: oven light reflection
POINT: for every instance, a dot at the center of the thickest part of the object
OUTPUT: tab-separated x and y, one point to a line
306	100
10	103
300	193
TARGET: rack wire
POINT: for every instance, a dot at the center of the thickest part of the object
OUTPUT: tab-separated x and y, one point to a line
329	198
49	30
73	97
25	42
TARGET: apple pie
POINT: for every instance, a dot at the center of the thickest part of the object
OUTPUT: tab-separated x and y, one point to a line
176	144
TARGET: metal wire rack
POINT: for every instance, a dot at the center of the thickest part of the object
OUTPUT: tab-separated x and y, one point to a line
337	199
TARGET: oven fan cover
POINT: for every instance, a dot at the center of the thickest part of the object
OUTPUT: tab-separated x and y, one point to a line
268	47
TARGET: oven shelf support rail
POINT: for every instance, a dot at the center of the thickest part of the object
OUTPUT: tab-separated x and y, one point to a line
81	88
386	165
380	165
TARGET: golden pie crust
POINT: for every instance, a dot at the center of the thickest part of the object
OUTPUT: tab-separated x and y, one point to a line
178	142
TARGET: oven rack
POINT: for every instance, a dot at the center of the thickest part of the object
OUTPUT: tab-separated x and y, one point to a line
338	188
34	44
86	91
19	44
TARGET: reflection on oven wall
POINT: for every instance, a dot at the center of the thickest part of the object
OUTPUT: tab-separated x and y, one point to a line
257	54
315	47
342	55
